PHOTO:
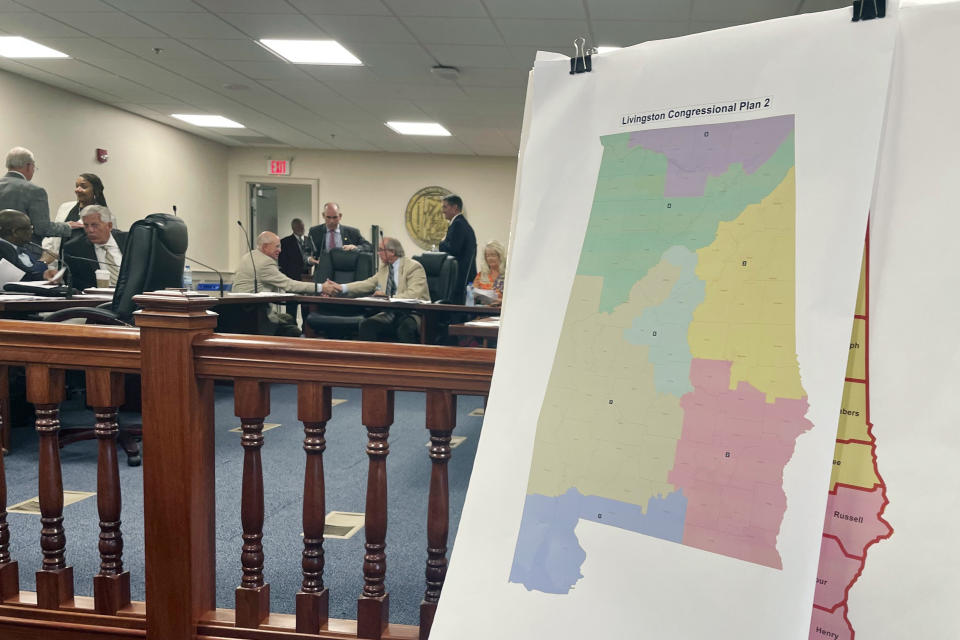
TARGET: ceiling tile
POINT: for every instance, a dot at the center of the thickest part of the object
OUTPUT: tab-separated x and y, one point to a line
742	10
144	47
472	56
513	95
625	33
342	7
231	49
275	26
157	6
540	9
247	6
36	26
450	146
277	70
392	57
447	8
454	30
489	77
381	29
656	10
53	6
807	6
190	25
116	25
11	6
542	32
86	48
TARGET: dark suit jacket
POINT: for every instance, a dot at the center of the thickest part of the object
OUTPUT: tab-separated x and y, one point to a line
10	253
350	235
83	273
16	192
461	243
293	260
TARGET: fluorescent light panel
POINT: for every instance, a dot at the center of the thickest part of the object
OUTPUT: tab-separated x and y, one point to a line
607	49
208	121
419	128
17	47
311	51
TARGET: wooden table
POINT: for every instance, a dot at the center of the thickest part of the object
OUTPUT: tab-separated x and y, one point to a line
485	328
429	311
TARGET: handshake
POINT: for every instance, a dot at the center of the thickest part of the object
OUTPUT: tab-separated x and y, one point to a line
331	288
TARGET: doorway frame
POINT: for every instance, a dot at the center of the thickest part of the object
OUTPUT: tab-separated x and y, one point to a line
244	199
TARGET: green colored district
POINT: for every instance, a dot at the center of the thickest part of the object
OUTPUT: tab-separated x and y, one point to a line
632	223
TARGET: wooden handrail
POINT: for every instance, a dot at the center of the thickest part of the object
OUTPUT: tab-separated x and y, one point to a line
70	346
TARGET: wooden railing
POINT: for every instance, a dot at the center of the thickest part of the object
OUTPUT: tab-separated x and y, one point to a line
179	357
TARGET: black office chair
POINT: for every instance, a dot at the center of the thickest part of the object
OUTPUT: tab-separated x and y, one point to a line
153	259
441	269
340	266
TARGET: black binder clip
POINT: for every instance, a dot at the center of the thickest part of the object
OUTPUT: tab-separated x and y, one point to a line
869	9
580	62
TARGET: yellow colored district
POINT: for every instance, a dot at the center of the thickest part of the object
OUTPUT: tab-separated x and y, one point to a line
861	309
748	314
853	413
619	438
857	362
853	465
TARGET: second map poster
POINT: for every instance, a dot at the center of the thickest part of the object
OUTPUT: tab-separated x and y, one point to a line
659	438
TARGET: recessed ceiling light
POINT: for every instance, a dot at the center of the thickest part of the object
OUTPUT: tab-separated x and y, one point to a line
419	128
311	51
17	47
607	49
208	121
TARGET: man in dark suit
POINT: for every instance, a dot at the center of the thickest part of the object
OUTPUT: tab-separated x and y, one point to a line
15	230
333	235
18	193
296	253
101	246
461	243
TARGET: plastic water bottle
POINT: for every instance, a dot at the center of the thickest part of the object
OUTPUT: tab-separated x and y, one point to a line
187	278
470	295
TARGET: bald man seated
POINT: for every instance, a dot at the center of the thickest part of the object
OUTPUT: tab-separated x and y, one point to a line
262	261
15	233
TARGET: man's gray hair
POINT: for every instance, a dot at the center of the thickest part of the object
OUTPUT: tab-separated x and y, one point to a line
105	214
266	237
393	245
18	158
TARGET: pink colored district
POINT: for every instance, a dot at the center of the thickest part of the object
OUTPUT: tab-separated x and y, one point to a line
855	503
829	626
835	574
729	464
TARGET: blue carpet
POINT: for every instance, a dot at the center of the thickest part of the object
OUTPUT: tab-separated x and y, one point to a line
345	461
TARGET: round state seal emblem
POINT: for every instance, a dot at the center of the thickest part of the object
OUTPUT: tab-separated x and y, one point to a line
424	219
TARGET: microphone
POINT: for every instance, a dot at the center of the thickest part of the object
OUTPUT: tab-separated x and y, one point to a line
219	275
248	238
175	213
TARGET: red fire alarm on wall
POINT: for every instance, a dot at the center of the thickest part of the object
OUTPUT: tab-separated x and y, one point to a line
102	156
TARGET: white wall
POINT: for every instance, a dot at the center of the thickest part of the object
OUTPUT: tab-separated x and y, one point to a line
374	188
293	201
151	167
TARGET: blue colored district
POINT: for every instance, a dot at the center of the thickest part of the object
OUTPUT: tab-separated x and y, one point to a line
548	555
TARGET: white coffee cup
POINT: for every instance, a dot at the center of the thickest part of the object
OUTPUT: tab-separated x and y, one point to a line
103	278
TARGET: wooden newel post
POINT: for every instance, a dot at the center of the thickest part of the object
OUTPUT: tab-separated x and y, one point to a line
111	586
9	571
314	401
178	463
373	606
252	404
45	389
441	419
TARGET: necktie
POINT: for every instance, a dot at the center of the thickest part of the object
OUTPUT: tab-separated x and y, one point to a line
391	283
111	265
331	240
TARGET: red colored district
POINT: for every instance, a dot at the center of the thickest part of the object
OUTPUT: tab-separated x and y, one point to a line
853	519
835	574
830	626
729	463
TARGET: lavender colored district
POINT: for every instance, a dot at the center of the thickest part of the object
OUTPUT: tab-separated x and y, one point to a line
548	556
692	156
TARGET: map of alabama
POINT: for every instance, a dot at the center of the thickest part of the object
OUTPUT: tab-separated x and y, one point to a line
854	519
674	401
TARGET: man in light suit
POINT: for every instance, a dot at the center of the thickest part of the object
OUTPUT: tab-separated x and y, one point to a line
100	247
17	192
260	266
461	243
15	229
333	235
398	277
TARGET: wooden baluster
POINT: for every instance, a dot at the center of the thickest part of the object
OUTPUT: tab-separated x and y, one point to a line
5	424
313	408
45	389
252	404
9	571
111	586
373	607
441	419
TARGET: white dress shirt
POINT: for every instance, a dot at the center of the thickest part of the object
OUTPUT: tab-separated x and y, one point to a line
111	246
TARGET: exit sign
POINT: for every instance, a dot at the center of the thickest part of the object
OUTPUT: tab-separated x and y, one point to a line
278	167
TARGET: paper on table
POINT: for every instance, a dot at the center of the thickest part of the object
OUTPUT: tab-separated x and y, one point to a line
9	272
259	293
